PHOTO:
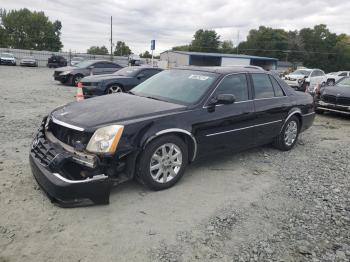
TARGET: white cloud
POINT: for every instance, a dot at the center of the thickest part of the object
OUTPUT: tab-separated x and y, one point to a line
86	23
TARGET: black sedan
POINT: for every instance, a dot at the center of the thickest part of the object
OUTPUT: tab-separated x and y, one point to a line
73	74
153	132
121	81
334	98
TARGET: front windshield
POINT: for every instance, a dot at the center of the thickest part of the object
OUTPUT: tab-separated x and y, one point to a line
178	86
7	55
127	71
301	72
84	64
345	82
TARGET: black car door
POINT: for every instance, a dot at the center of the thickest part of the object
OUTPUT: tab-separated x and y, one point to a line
227	126
271	107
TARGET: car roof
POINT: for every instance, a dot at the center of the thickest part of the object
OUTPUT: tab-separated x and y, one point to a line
223	69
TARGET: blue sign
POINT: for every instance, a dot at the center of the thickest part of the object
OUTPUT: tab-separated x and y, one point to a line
153	44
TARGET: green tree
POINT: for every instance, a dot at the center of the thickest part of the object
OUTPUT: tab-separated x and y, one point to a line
97	50
121	49
265	41
342	49
181	48
227	47
146	54
24	29
205	41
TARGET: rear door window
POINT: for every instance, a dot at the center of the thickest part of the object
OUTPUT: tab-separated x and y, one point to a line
235	85
262	86
276	86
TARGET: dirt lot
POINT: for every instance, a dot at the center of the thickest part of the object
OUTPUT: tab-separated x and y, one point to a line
259	205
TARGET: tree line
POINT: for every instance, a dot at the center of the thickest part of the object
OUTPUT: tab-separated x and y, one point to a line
23	29
313	47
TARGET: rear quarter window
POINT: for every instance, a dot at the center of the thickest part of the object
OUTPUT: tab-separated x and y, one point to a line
262	86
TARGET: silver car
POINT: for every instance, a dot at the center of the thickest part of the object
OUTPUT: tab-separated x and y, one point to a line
28	61
72	74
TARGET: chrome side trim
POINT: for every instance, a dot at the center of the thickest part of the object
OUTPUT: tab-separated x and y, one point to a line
87	180
243	128
177	130
333	110
309	114
58	122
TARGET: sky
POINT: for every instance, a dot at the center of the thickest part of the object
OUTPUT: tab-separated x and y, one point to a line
87	22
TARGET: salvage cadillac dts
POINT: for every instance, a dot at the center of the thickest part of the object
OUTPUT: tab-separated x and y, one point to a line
153	132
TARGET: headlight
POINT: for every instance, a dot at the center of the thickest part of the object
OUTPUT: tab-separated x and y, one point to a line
105	139
65	73
300	80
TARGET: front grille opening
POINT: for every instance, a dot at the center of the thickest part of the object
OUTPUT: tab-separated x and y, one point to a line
67	135
75	171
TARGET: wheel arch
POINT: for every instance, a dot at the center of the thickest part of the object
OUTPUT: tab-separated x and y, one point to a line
187	136
293	112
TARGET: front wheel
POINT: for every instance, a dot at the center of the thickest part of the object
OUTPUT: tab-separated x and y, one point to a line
289	135
330	82
163	162
114	89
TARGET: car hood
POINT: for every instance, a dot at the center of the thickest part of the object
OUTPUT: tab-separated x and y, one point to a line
295	76
7	58
337	91
28	60
112	109
98	78
65	68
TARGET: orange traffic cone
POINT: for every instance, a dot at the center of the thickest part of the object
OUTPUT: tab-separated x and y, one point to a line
80	95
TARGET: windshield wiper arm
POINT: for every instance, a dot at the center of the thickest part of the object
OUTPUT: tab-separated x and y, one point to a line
154	98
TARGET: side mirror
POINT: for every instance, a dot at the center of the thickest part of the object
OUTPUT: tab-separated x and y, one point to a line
225	99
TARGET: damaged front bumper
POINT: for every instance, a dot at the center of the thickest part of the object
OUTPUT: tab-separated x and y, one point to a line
69	178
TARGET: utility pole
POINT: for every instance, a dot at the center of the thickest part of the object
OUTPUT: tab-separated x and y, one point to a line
237	41
111	41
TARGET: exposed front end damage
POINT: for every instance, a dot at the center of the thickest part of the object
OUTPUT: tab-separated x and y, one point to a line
72	177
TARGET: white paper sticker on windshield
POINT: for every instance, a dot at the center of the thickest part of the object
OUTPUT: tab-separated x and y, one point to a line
199	77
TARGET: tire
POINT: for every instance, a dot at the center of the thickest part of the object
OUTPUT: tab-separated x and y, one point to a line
281	141
161	177
114	88
330	82
319	111
74	79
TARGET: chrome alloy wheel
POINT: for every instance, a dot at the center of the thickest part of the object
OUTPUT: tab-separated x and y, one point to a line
291	132
166	163
115	89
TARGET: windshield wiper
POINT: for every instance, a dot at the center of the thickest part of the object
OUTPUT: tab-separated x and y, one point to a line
131	93
151	97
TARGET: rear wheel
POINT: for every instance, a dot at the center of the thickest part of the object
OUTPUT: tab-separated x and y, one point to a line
114	89
75	79
163	162
289	135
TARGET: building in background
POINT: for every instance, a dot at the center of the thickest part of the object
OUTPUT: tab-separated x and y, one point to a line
170	59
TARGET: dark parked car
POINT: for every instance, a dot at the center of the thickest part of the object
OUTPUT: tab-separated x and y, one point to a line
120	81
334	98
158	128
56	61
73	74
29	61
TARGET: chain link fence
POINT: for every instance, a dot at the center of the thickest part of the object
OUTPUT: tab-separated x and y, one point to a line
43	56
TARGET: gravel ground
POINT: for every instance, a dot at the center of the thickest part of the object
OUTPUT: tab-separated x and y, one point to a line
258	205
